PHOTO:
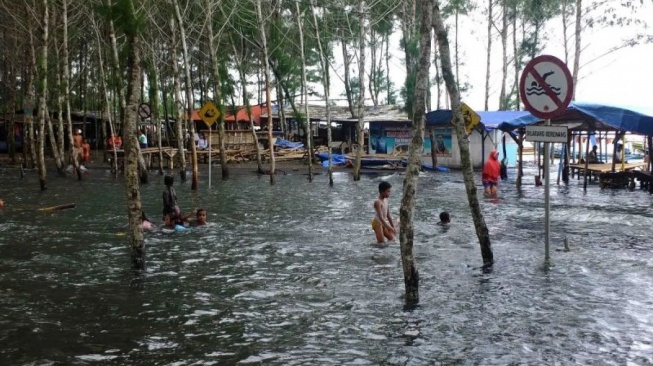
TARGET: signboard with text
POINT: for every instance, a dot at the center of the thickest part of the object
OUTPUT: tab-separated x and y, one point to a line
546	133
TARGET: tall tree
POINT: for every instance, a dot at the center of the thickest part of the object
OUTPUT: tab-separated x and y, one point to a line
268	98
490	22
324	68
43	90
307	117
577	43
29	141
189	93
65	79
406	232
131	22
504	55
463	141
217	90
360	126
179	105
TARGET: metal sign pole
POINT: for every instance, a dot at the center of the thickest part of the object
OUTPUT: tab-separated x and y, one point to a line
210	164
547	199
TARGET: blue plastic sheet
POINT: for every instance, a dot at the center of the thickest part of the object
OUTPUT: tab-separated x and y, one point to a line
285	144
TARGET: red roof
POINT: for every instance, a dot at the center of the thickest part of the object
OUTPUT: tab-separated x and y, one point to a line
241	115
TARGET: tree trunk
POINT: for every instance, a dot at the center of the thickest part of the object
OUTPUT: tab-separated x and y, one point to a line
347	65
106	107
463	142
565	26
189	95
457	55
503	103
305	88
360	126
240	62
489	52
12	114
324	68
154	105
243	84
577	45
179	106
132	153
43	89
282	115
222	135
268	98
390	99
406	212
54	144
434	150
57	140
515	50
121	95
217	90
66	86
29	142
372	82
438	78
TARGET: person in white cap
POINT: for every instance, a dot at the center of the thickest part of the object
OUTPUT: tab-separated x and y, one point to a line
77	147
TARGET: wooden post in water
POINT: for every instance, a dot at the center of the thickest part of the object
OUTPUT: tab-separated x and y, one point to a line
617	137
520	166
649	165
587	151
565	169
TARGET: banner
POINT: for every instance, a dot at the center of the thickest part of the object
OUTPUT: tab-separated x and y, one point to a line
392	140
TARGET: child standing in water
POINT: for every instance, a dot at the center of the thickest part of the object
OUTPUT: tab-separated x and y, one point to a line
170	206
382	224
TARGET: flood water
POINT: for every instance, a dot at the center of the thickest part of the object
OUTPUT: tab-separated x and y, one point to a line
290	275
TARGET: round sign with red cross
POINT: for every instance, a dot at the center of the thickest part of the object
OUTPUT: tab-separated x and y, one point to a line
546	87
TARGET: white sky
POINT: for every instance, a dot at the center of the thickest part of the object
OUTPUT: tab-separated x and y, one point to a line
623	78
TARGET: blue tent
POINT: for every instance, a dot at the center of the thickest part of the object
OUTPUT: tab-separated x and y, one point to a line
489	119
591	117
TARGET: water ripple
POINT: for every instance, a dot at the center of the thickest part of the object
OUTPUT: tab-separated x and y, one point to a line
290	275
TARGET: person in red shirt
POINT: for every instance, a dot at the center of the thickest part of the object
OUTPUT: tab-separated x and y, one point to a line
86	152
491	174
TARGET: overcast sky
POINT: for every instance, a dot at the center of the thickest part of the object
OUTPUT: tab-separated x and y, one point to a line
622	78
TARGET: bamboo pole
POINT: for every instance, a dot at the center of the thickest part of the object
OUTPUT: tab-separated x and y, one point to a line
58	208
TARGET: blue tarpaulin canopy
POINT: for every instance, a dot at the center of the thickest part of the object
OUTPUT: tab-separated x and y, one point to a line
489	119
591	117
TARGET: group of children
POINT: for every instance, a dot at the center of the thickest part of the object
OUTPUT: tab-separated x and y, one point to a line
385	228
172	217
383	225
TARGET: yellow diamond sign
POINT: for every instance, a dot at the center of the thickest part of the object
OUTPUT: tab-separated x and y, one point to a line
471	118
209	113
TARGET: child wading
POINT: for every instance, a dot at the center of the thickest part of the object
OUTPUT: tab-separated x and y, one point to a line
170	206
382	224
